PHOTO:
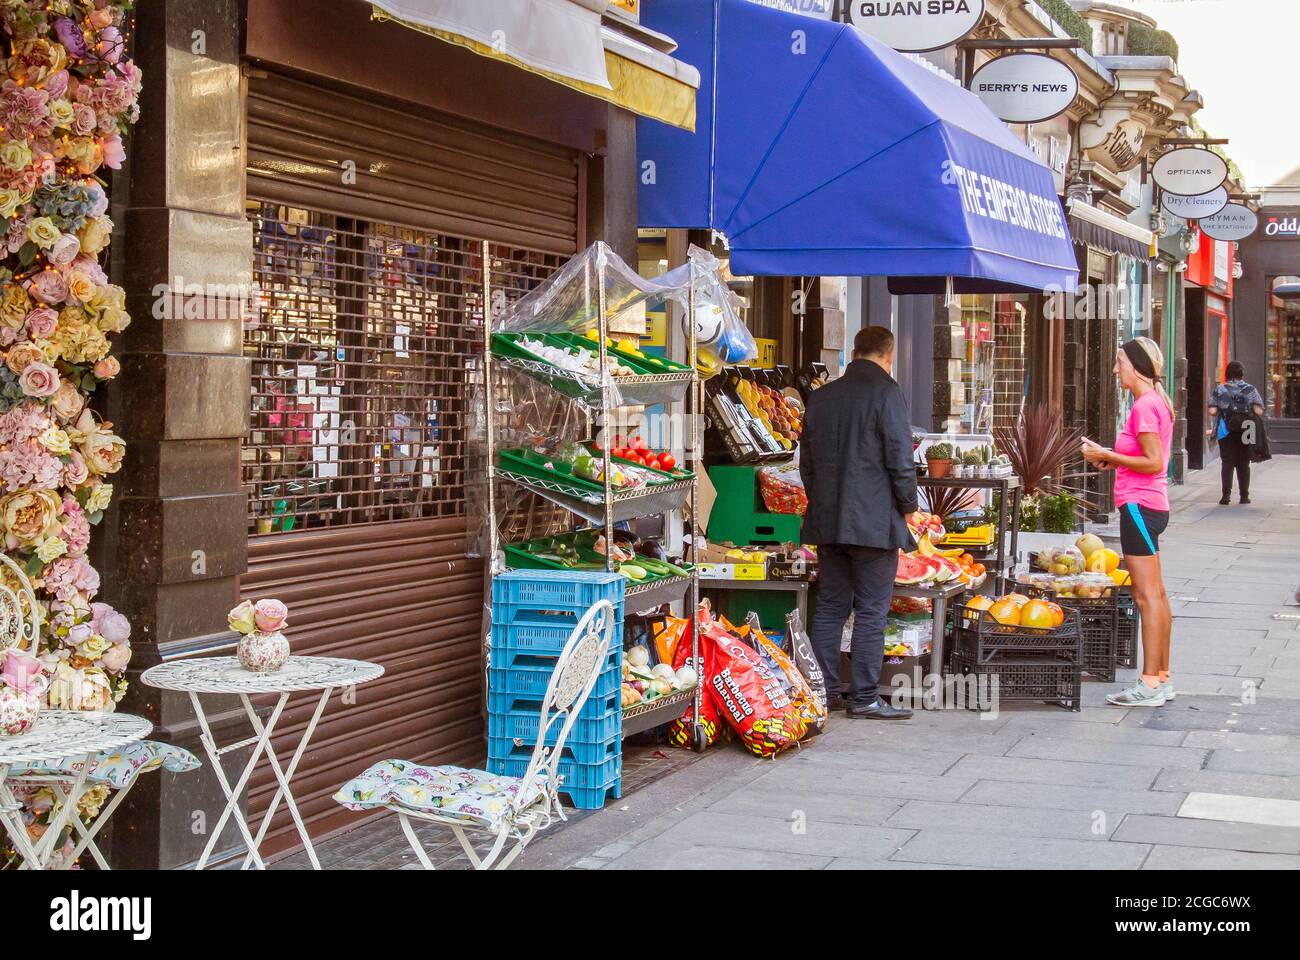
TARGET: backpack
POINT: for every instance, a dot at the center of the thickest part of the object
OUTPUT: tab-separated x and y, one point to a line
1238	412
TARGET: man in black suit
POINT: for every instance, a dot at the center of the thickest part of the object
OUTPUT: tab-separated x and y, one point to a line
856	461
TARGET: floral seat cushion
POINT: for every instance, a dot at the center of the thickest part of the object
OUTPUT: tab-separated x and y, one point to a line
117	768
476	797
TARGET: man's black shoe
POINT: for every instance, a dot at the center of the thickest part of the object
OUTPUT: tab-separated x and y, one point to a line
1245	500
1224	502
880	710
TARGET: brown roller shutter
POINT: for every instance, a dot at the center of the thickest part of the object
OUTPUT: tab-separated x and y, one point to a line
326	149
370	313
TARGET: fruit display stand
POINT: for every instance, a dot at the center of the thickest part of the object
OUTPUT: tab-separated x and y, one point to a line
579	295
1009	493
941	597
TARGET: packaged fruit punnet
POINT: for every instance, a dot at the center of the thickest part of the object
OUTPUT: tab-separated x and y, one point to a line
1061	561
783	491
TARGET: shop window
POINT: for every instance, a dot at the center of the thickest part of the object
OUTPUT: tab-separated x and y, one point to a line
361	342
993	369
1281	387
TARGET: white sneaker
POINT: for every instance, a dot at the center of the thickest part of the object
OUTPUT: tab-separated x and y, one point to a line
1139	695
1168	688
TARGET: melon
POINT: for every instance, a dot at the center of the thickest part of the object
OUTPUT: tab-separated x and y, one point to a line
912	570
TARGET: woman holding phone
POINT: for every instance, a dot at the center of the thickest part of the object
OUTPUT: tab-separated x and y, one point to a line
1141	464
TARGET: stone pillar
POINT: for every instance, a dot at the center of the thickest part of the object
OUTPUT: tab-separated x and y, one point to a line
180	541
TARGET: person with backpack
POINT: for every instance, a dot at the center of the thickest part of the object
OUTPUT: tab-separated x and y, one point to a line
1236	404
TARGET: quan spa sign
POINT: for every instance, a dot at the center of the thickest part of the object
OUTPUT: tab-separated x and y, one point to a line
912	26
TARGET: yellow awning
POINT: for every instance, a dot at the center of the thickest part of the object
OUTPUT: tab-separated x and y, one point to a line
632	86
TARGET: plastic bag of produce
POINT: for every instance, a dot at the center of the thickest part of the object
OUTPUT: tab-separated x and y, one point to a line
681	732
668	634
805	659
783	490
795	684
750	696
1061	561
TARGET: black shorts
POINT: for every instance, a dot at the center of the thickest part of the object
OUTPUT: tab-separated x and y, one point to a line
1140	528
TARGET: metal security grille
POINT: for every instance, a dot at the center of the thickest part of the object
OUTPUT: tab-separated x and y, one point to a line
361	349
1009	386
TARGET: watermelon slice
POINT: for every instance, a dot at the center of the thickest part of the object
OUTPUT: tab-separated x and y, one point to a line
913	570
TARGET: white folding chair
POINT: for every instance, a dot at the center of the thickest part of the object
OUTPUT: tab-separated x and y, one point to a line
475	801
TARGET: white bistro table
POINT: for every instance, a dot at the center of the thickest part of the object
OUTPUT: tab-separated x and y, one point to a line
220	675
61	735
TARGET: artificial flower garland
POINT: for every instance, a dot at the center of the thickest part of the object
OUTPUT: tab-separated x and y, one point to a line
67	97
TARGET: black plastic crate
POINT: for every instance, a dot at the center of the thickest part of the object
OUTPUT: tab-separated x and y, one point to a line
1098	628
1128	629
980	638
1018	679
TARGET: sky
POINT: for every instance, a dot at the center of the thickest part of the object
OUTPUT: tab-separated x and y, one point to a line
1242	55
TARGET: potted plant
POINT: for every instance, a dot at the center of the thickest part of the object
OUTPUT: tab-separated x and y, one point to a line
970	462
938	459
1039	447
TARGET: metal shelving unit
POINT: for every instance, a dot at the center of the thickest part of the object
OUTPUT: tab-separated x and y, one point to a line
610	506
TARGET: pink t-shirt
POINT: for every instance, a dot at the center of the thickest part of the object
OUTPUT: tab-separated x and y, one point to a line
1150	414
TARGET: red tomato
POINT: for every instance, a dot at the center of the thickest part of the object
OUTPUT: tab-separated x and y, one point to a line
618	452
639	444
667	462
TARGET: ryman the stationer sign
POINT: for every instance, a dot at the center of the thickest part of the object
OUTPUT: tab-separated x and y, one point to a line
1234	222
1189	172
1026	87
912	26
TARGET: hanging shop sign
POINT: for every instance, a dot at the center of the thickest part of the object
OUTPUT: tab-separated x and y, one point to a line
1198	207
1026	87
1283	226
1234	222
1115	143
912	26
1190	172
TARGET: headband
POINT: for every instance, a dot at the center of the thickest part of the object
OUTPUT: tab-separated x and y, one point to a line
1140	359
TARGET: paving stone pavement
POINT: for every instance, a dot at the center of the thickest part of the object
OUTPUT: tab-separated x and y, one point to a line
1209	781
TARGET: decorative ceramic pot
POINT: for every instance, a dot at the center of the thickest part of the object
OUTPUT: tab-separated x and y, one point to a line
18	710
263	652
939	468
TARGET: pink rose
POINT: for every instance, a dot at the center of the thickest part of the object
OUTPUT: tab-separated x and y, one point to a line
79	634
108	368
270	615
84	119
64	250
41	322
116	658
75	471
39	380
115	628
20	669
48	286
56	84
114	152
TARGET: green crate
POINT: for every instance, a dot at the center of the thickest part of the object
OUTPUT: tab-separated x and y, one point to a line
532	464
738	515
639	364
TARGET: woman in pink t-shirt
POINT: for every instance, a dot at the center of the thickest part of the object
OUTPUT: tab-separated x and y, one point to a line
1141	464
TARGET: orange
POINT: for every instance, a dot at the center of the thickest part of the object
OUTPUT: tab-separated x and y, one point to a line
977	569
1058	613
980	602
967	558
1037	613
1006	611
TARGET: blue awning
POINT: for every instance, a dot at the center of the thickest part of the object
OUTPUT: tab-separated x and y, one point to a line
819	151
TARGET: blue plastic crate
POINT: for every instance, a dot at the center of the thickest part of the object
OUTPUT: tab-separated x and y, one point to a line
507	614
526	676
507	655
587	753
592	798
574	774
557	589
599	719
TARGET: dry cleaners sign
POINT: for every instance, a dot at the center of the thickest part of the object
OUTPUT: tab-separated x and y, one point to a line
1198	207
1026	87
912	26
1189	172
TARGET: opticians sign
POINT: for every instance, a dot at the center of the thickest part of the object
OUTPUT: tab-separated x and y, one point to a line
1190	172
1198	207
1026	87
912	26
1234	222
